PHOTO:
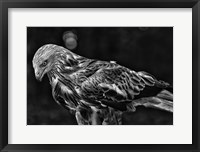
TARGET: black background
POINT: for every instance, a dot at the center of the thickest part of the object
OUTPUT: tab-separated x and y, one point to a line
138	48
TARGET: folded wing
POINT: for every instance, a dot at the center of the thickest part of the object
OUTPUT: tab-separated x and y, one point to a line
116	85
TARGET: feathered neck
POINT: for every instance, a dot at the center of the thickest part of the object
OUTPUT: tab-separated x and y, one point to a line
56	78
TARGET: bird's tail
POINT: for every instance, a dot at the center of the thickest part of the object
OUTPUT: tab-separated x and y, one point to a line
162	101
158	83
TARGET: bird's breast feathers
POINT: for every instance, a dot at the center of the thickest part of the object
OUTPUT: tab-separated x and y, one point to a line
54	81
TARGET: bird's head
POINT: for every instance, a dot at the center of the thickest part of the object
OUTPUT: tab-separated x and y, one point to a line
50	56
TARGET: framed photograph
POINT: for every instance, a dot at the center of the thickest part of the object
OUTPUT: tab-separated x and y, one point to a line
100	76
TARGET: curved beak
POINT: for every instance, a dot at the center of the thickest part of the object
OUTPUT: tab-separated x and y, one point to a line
39	74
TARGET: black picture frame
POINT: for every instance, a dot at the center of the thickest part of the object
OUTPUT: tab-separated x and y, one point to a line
6	4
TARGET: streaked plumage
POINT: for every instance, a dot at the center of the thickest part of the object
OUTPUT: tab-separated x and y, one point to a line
97	92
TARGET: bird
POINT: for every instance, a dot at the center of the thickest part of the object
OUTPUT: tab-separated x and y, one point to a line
97	92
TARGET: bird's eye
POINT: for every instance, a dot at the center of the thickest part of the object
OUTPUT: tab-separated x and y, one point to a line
44	63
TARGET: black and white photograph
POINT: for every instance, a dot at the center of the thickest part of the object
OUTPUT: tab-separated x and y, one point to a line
99	75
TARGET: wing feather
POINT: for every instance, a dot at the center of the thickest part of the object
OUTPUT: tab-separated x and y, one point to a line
116	83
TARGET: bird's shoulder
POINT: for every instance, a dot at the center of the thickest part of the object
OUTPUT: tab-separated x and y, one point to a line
89	69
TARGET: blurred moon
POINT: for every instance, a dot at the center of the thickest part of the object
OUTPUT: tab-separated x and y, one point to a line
70	40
